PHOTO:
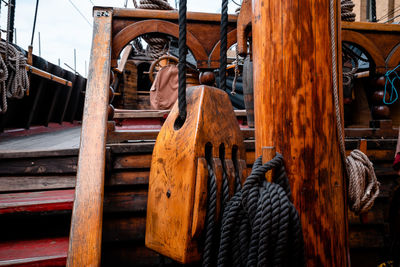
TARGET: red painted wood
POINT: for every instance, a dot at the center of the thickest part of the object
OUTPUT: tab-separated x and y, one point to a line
37	201
43	252
52	127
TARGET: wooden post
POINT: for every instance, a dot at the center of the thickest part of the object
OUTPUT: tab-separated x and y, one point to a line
87	215
294	112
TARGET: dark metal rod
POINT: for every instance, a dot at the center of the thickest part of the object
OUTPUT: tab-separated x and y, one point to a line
34	21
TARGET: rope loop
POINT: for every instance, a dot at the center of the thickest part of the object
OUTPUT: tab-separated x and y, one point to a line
391	81
260	226
363	184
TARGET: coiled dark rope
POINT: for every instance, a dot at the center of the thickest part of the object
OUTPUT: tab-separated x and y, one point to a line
209	252
182	60
224	44
260	225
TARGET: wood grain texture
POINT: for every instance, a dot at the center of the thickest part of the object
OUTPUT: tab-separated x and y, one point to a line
294	112
36	201
86	223
44	252
173	173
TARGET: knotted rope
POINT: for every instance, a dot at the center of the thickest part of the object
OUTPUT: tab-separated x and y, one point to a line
364	188
157	46
260	226
347	10
358	167
14	80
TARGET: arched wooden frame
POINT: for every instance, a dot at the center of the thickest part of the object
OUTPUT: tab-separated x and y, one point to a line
137	29
365	43
394	57
214	55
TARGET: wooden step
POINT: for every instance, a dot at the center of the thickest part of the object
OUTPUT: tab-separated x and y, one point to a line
43	252
54	200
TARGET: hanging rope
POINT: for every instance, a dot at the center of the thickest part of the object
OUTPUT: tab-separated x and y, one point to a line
359	168
362	191
224	44
157	46
347	10
14	79
182	60
233	92
260	226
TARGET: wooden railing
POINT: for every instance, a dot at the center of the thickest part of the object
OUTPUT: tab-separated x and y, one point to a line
86	224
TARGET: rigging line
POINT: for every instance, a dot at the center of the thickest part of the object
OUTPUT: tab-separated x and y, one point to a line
83	16
92	2
392	19
390	13
34	21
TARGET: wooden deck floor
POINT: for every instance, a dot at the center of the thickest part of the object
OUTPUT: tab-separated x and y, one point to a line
58	140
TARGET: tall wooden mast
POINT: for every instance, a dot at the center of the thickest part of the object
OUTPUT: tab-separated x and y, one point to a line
294	111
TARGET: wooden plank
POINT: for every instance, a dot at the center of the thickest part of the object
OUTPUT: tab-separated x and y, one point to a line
36	201
168	15
48	165
128	178
43	252
133	162
366	236
131	254
10	154
117	229
126	201
86	224
25	183
49	76
370	26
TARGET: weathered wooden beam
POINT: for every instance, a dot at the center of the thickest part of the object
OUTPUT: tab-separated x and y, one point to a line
48	76
86	224
294	112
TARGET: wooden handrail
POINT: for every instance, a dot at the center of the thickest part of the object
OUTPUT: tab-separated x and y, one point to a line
46	75
87	215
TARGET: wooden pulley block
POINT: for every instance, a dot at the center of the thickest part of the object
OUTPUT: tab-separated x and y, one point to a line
177	197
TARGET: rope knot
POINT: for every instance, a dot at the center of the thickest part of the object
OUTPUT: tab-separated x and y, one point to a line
363	184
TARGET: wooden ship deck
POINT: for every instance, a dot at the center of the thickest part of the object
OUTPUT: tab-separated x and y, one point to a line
38	167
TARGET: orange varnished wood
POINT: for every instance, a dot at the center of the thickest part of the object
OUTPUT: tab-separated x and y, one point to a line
200	198
176	209
202	31
86	224
294	112
268	153
381	41
243	27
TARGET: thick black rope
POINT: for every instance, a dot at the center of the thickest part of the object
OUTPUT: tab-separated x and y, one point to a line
224	44
182	60
210	246
260	225
373	10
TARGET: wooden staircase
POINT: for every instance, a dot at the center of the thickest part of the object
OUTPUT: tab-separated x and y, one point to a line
36	199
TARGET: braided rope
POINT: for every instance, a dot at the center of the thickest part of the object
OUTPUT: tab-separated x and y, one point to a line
209	249
356	174
14	80
157	46
264	212
182	60
365	187
224	44
347	10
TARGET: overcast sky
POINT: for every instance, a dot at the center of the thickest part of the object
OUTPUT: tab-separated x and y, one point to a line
62	28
